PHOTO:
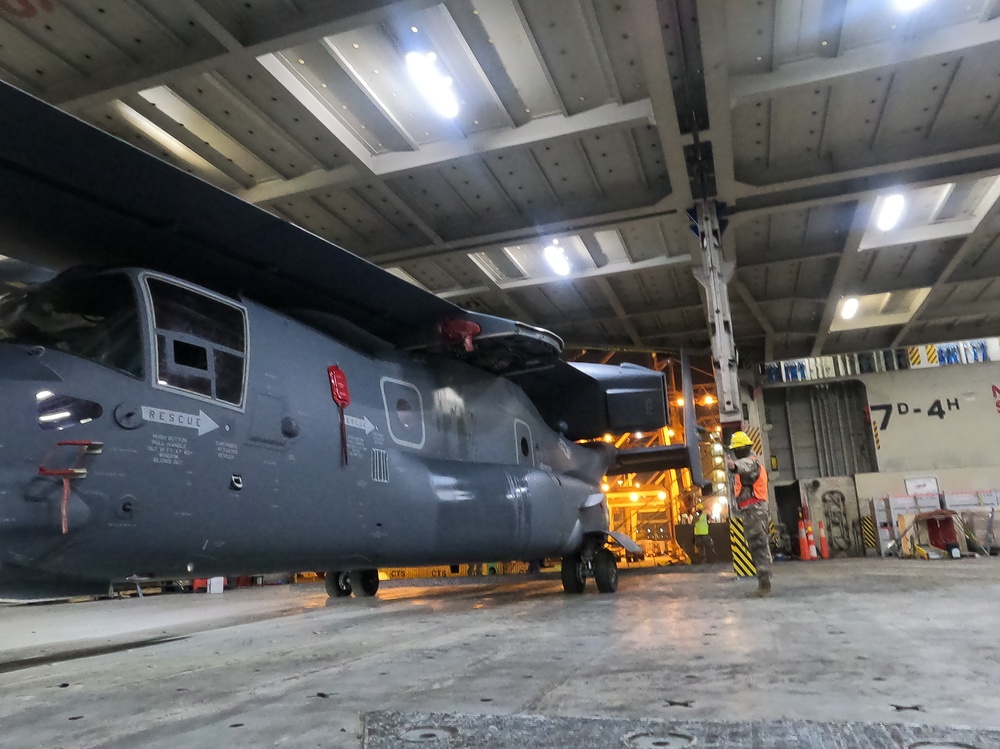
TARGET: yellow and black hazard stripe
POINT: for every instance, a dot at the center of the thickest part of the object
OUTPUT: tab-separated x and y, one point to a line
914	353
878	439
743	564
868	532
754	434
932	354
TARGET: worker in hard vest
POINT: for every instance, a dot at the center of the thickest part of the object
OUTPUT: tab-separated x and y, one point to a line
750	492
703	542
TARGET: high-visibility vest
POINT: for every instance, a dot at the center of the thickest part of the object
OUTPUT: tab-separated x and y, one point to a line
759	487
701	525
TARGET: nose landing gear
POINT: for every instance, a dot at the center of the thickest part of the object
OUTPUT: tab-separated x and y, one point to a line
341	583
599	564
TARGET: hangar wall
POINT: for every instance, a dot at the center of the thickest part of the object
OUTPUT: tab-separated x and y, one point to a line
936	419
940	422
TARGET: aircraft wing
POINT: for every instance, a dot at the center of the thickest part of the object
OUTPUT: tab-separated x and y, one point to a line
71	194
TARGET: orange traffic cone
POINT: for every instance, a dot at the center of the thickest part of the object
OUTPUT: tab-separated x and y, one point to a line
803	543
824	546
812	542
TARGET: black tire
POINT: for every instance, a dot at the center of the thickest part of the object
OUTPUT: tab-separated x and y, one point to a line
572	574
338	584
606	571
364	583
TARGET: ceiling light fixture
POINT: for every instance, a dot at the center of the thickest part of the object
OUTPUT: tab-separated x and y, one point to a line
556	258
432	83
849	308
907	5
891	213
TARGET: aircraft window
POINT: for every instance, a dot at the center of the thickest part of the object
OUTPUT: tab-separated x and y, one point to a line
404	412
93	317
524	446
189	355
200	342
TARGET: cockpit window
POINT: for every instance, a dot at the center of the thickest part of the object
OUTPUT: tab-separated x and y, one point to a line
200	342
93	317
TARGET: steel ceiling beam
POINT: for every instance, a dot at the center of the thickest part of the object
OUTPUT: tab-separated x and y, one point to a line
607	116
985	235
858	184
280	30
614	220
620	314
613	316
788	258
961	38
607	270
388	165
848	261
661	92
712	29
758	314
958	311
218	31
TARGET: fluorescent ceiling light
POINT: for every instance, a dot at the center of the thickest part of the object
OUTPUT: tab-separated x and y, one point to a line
891	213
849	308
432	84
556	258
908	5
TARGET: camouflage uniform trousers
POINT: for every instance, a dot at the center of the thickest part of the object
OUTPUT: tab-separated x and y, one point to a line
756	525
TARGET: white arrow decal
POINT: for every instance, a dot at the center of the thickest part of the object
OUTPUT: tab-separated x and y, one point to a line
202	422
354	421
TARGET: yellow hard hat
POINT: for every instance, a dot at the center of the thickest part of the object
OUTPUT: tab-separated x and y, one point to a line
739	439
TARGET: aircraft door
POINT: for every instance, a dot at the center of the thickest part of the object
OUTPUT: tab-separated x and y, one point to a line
524	446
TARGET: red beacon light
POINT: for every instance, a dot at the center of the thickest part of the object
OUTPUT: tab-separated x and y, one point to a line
455	331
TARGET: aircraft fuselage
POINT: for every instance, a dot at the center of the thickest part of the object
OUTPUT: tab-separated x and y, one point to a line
216	447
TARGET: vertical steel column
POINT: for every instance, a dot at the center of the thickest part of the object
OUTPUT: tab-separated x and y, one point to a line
715	274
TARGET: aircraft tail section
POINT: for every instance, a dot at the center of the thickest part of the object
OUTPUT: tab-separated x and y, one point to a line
669	457
592	399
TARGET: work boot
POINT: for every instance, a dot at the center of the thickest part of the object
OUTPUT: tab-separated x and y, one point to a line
763	584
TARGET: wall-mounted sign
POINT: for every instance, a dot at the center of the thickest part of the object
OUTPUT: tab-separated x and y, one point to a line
923	485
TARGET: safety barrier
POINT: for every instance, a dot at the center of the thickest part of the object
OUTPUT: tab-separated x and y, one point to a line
743	564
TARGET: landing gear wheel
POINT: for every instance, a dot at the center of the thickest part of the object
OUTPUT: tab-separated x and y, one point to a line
364	583
572	574
606	571
338	584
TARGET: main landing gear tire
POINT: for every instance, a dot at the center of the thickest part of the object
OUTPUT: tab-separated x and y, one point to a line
338	584
572	574
364	583
605	571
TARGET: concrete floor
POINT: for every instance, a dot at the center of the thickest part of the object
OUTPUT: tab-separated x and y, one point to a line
507	663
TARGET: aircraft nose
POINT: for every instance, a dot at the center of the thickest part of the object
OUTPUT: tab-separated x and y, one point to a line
24	382
25	364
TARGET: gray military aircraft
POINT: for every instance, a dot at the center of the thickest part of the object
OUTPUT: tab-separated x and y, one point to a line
216	391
